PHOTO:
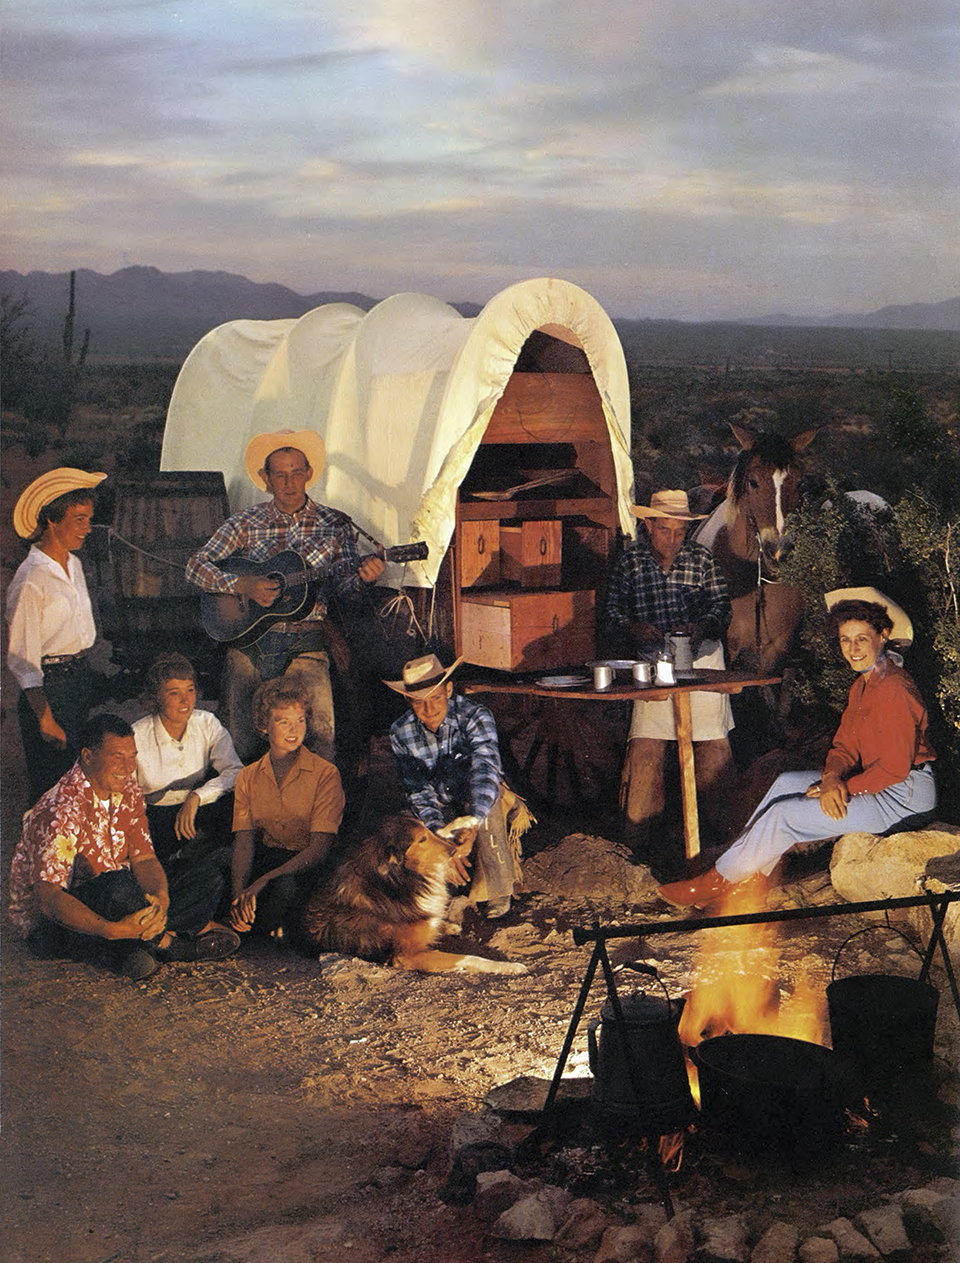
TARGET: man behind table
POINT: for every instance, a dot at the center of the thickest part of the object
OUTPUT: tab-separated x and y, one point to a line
663	582
51	622
285	463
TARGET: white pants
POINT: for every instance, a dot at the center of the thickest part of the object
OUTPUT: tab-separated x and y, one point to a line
710	713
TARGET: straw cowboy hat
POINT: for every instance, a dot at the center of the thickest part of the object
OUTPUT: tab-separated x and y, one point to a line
668	504
902	632
422	676
44	490
261	445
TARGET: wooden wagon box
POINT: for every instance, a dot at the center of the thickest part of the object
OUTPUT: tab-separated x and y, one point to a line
531	553
527	631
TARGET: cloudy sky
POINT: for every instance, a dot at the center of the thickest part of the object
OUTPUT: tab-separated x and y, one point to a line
676	158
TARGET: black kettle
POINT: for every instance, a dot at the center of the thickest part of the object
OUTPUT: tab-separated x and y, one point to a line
640	1077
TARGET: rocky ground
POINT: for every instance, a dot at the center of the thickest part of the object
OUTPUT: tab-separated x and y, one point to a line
273	1107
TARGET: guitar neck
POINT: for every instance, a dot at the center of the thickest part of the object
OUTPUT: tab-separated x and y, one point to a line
399	553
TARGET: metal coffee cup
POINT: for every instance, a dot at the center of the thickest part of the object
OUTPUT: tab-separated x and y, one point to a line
602	677
681	645
642	673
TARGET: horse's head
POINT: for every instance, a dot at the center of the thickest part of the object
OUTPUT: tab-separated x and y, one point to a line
764	489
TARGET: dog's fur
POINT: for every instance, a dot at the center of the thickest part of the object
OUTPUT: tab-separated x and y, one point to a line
386	902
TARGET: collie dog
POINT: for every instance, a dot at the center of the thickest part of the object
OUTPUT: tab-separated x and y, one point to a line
386	902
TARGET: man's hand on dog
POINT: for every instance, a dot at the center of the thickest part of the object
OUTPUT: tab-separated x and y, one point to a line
460	861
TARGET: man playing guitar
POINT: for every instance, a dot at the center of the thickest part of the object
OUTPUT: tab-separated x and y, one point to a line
286	463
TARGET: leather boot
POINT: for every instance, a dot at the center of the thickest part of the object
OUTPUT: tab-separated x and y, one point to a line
697	892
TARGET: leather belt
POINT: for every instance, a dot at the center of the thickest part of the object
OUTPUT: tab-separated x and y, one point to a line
62	659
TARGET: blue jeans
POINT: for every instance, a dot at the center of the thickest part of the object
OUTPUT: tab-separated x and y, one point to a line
787	817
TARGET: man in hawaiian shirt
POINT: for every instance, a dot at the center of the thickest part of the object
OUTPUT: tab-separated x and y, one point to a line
286	463
85	881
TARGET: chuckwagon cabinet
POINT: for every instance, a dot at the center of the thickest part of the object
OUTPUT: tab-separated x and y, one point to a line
536	523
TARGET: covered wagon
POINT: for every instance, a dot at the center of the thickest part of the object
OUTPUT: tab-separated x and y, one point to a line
502	441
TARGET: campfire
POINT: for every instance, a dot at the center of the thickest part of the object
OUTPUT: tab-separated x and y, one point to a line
737	989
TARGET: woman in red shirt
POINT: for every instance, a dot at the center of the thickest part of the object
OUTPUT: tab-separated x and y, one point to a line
878	771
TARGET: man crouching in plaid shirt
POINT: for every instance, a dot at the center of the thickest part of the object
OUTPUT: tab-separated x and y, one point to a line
448	758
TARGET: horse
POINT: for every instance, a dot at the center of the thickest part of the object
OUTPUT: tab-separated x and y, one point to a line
747	535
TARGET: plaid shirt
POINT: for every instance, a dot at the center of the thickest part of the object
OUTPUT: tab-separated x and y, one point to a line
453	771
692	591
320	535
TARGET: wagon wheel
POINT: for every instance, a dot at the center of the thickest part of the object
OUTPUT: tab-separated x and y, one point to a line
561	752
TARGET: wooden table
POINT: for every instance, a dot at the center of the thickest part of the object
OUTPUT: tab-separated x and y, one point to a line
700	681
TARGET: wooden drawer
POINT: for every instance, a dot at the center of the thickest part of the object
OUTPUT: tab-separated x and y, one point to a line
479	553
527	631
530	553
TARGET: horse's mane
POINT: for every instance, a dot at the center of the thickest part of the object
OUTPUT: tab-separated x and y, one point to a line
770	449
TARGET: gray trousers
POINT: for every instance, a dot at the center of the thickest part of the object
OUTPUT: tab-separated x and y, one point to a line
241	680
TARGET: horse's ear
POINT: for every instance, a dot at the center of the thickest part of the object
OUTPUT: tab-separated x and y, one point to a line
746	438
800	442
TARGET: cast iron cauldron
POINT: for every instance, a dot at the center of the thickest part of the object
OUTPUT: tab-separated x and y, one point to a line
882	1025
655	1100
761	1092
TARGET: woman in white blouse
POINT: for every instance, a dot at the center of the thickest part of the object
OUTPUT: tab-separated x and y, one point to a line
186	764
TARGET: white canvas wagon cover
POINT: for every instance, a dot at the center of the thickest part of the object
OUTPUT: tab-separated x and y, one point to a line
401	396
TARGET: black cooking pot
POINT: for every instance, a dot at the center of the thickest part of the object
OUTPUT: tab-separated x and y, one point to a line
640	1076
761	1092
882	1025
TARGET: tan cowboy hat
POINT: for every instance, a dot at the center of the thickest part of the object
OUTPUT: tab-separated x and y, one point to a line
902	631
44	490
668	504
422	676
261	445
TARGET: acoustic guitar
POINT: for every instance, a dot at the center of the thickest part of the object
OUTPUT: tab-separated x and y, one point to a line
239	621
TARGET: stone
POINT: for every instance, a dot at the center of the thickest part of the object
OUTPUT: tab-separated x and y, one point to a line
584	867
585	1224
851	1243
630	1244
474	1128
819	1250
777	1245
864	866
533	1218
674	1243
884	1226
924	1216
723	1238
496	1192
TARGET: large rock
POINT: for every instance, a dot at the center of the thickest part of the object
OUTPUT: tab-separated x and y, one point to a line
585	867
865	867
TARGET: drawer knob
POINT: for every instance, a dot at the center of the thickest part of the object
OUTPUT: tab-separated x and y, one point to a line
556	624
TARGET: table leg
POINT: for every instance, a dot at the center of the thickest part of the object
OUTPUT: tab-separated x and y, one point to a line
688	782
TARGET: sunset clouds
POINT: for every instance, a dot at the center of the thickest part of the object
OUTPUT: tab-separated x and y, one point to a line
674	159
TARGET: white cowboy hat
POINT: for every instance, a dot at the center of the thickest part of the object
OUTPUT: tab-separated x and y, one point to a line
902	632
261	445
422	676
668	504
44	490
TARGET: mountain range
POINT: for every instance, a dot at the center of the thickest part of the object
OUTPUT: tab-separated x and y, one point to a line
143	313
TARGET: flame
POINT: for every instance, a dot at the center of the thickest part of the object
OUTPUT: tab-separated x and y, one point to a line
737	986
671	1151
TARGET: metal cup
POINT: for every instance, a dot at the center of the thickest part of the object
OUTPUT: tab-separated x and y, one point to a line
602	677
642	673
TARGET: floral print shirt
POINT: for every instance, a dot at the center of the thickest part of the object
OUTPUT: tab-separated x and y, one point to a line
72	835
